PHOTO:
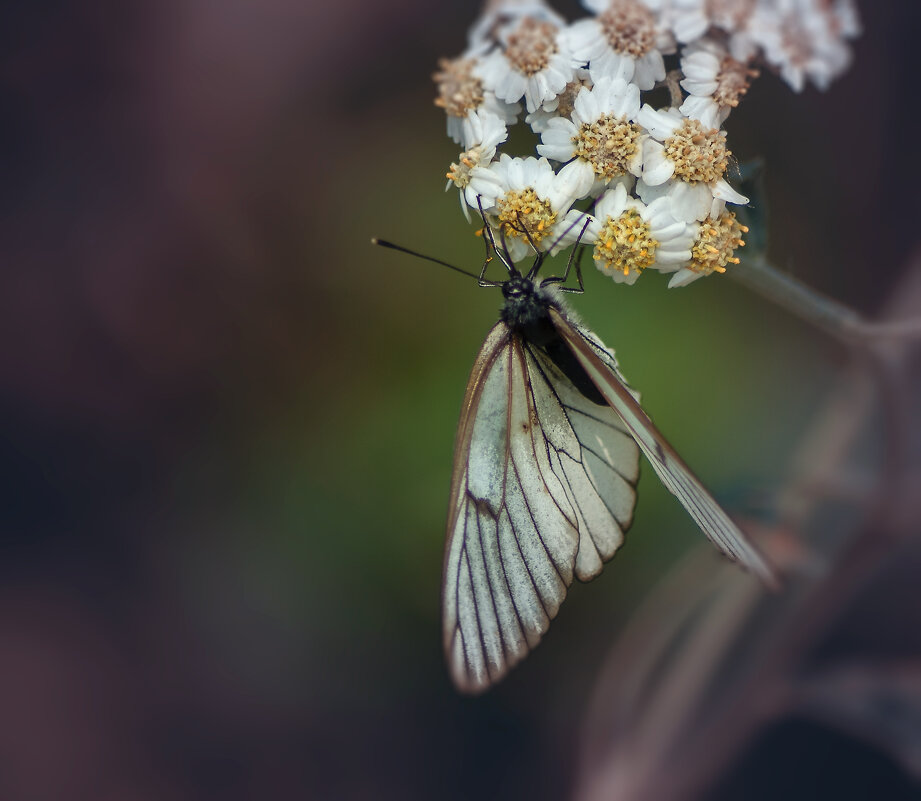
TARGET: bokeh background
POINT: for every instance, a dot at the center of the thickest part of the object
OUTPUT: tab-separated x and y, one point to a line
228	419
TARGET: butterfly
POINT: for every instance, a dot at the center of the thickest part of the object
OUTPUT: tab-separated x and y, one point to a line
546	462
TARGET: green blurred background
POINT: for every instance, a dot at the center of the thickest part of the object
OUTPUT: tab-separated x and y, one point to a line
229	419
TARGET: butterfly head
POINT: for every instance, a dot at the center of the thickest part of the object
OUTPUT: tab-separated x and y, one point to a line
526	309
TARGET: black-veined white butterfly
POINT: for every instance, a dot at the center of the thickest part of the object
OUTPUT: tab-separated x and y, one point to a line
546	462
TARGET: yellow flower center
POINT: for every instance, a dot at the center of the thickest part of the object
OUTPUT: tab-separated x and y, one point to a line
461	169
608	144
625	244
716	244
629	27
698	154
459	90
567	98
732	81
522	214
530	47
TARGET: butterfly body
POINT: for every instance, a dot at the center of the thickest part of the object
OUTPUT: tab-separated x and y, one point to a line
527	313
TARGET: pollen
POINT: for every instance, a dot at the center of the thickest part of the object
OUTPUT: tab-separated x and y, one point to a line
697	153
567	98
625	245
459	90
608	144
462	169
716	244
629	27
732	82
531	46
523	214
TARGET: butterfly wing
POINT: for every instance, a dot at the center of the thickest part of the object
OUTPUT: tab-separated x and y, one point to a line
594	456
671	469
543	490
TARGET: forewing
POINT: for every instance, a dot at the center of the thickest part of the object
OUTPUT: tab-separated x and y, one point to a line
671	469
512	537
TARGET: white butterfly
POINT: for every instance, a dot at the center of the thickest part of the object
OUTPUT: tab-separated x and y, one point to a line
546	462
545	468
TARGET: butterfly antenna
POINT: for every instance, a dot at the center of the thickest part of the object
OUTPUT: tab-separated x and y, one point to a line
385	244
538	254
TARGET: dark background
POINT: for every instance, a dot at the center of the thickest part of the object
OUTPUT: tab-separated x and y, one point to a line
228	420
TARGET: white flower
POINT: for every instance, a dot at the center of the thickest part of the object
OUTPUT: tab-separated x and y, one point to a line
629	236
692	157
499	15
601	141
626	40
803	39
534	64
686	19
561	105
461	91
487	132
715	242
716	82
526	202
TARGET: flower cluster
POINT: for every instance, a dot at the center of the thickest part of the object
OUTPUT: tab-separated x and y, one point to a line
643	186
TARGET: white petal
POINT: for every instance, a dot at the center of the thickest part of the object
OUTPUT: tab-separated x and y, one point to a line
683	278
690	202
586	105
611	65
672	257
657	169
690	26
572	229
649	69
723	191
626	99
660	124
576	179
612	203
584	39
704	109
511	86
649	194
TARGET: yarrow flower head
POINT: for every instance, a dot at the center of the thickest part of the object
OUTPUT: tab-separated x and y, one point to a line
803	39
461	92
500	15
533	63
625	40
488	132
645	187
696	158
628	236
562	105
713	248
526	202
715	82
600	140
